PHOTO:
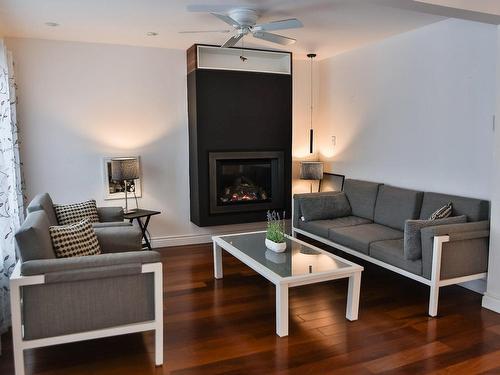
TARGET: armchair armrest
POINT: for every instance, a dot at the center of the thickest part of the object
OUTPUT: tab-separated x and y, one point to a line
465	253
108	214
123	238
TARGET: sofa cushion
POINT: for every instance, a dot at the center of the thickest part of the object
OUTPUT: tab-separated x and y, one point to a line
395	205
412	239
43	202
442	212
360	237
474	209
33	238
391	251
325	207
321	227
362	196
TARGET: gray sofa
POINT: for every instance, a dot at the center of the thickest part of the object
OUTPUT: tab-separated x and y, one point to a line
59	300
113	233
372	227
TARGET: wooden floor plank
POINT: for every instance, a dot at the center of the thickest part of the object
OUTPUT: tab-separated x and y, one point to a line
228	327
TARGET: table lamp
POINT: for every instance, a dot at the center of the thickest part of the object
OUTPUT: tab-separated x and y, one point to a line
125	170
311	170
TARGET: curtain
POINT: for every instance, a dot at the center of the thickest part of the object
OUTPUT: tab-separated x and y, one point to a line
11	191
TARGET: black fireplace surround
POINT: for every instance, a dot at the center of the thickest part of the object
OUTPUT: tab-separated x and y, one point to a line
240	142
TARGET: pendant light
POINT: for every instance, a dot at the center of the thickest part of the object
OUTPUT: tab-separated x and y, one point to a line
311	131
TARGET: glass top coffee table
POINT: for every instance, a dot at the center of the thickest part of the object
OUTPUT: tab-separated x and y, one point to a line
300	264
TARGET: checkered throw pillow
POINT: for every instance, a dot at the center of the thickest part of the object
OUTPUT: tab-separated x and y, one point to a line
74	240
443	212
76	212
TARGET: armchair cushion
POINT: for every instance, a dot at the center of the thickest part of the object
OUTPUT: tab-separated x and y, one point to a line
110	214
43	202
325	207
76	212
33	239
412	238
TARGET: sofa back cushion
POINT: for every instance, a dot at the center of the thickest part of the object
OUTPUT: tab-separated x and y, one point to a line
474	209
43	202
325	207
362	196
395	205
33	238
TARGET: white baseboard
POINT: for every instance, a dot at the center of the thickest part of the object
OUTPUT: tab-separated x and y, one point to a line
491	302
199	238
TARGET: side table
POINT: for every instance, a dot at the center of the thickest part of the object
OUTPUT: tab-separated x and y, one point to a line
139	214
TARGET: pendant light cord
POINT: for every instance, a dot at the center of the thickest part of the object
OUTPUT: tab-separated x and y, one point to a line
311	91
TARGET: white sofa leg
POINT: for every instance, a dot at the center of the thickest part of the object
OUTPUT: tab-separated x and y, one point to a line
17	339
437	250
434	300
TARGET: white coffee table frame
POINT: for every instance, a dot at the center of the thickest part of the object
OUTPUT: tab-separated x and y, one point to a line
353	272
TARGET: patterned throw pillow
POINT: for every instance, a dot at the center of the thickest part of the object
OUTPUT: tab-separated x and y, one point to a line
74	240
443	212
76	212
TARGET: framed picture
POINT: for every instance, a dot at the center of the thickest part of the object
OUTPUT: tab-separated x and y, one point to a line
332	182
116	189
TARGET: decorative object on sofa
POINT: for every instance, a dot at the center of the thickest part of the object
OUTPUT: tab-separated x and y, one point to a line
331	182
443	212
376	229
275	235
76	212
74	240
139	215
125	170
311	170
311	56
59	301
116	189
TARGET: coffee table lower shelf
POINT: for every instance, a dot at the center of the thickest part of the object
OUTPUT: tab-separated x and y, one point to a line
352	272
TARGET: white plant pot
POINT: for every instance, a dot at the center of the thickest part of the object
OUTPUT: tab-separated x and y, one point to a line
275	246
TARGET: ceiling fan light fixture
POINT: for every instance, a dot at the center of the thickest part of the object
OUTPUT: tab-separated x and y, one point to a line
152	33
51	24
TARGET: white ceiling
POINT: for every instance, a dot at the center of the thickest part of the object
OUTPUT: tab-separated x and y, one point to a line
330	26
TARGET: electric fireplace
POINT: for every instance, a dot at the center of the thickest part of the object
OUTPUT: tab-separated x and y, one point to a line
245	181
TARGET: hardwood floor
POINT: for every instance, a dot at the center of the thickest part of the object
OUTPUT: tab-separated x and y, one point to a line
227	327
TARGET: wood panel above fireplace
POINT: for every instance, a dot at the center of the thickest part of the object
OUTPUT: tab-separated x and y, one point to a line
239	114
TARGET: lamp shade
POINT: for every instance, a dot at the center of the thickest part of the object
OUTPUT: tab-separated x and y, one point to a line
311	170
124	169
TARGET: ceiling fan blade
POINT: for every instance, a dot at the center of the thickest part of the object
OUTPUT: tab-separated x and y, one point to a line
226	19
232	41
274	38
292	23
203	31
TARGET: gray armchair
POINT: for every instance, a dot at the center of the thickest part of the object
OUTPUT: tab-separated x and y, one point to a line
61	300
113	234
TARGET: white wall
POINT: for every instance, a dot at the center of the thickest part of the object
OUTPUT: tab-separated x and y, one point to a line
414	110
79	102
491	299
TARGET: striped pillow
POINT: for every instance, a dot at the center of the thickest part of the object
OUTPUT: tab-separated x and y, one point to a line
76	212
74	240
442	212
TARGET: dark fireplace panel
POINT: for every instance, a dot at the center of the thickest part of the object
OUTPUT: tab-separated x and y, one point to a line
245	181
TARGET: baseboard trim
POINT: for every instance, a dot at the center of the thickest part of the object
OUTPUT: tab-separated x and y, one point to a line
194	239
491	302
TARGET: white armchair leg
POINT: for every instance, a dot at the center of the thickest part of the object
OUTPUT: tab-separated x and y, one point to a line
158	288
434	300
15	303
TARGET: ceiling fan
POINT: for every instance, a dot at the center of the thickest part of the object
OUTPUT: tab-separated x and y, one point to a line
244	22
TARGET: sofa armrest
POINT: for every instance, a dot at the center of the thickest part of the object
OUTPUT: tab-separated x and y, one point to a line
114	239
44	266
465	253
297	213
107	214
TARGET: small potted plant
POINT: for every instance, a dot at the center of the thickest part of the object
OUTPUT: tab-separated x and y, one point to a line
275	236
